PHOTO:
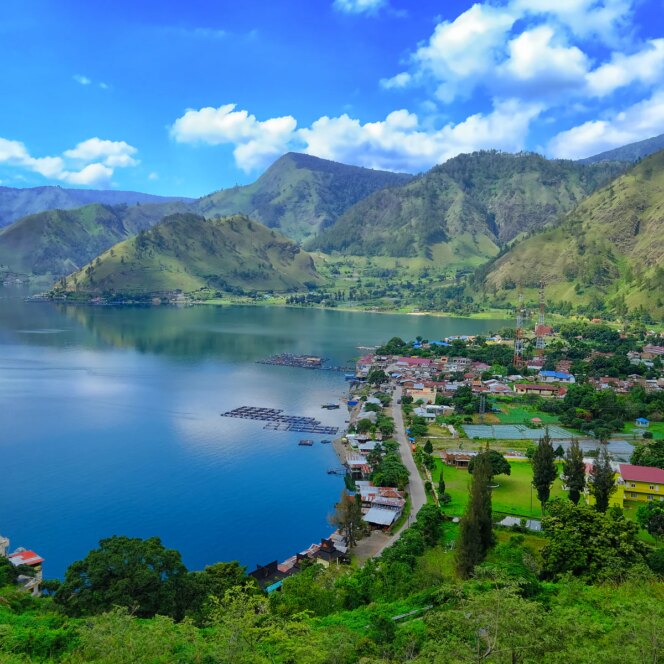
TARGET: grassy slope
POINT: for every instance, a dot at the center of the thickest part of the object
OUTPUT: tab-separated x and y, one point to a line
57	242
487	195
299	194
612	243
188	252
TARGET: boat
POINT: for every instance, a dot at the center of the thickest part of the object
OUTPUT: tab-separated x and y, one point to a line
326	441
306	443
330	406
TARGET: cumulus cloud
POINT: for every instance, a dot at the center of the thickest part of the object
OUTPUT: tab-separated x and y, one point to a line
399	142
115	154
82	80
534	49
358	6
256	142
401	80
645	66
91	162
637	122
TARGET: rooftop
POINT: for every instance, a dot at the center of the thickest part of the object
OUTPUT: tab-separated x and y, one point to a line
641	473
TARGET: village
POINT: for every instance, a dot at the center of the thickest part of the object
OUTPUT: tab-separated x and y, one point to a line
421	411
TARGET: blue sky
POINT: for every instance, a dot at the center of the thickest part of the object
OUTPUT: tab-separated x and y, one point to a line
186	98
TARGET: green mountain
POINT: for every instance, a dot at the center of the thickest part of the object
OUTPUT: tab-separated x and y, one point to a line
58	242
609	251
188	252
631	152
299	194
17	203
484	200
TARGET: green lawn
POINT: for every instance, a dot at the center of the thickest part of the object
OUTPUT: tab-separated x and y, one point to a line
513	495
519	414
656	428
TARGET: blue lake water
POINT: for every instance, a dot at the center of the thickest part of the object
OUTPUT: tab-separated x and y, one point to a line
110	424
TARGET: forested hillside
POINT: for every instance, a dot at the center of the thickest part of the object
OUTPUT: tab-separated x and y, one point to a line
188	252
57	242
488	197
299	194
608	252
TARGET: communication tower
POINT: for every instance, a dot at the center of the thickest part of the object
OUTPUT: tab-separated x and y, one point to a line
519	362
540	329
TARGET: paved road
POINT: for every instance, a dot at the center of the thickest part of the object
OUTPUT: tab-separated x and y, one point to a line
374	545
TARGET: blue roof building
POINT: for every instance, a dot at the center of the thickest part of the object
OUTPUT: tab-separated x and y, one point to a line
556	377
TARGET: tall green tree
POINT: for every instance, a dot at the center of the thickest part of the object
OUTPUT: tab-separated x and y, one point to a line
544	469
650	454
499	464
141	575
651	517
602	481
347	518
475	533
575	471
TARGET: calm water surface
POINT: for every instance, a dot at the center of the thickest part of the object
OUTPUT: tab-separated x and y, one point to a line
109	424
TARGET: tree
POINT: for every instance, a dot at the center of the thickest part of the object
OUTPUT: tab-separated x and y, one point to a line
364	425
544	469
390	472
651	454
499	464
475	532
428	447
441	484
141	575
589	544
348	518
574	470
560	452
602	480
377	377
651	517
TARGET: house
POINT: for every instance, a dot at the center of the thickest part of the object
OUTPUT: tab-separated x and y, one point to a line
651	351
546	391
556	377
269	577
642	483
642	422
24	558
457	458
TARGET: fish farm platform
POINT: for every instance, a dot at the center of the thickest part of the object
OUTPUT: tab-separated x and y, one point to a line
276	421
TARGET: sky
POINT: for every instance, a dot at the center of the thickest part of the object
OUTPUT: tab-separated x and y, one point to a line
185	98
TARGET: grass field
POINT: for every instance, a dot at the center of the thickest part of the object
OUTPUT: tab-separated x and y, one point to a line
656	428
513	495
519	414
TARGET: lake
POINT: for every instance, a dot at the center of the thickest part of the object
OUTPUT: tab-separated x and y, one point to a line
110	424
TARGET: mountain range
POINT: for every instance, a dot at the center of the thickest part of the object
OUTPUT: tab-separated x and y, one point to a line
592	230
16	203
300	194
488	197
629	153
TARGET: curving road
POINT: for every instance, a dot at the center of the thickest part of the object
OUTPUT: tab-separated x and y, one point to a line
378	541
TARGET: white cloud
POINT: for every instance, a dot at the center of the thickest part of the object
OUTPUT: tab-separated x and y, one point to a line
91	162
116	154
256	142
461	51
540	65
358	6
83	80
153	176
401	80
638	122
645	66
533	49
399	142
